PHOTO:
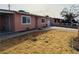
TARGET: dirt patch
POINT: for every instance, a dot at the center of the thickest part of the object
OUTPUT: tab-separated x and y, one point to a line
53	41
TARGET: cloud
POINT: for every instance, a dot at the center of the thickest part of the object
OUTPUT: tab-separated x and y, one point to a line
52	10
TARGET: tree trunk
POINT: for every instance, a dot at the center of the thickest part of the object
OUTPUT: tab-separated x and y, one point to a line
78	31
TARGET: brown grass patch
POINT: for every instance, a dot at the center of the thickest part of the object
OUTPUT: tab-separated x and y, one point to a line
53	41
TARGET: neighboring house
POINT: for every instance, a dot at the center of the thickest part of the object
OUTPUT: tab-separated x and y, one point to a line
55	21
13	21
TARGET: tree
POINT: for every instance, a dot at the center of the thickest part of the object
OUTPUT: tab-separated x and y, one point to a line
70	13
22	11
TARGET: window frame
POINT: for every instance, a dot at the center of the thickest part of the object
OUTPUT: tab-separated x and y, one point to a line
22	20
43	19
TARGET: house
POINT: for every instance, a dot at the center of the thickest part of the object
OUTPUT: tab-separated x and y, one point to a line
13	21
55	21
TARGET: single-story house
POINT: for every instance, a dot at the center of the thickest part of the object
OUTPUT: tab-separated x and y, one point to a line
13	21
55	21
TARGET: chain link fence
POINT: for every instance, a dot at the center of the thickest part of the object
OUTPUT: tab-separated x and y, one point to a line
67	25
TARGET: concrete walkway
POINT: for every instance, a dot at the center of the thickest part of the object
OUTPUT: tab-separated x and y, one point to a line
11	35
64	29
5	36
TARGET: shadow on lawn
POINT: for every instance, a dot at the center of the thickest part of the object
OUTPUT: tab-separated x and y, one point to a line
4	45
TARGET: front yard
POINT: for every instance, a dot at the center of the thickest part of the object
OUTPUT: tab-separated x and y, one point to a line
53	41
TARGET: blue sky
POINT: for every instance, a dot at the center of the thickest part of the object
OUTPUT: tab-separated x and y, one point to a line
52	10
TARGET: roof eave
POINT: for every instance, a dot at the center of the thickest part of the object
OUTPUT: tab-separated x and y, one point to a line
6	11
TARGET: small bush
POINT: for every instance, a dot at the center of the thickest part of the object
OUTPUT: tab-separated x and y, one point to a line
34	39
76	43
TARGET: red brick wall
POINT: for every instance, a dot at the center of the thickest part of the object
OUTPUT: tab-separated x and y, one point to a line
19	26
16	24
12	21
35	22
40	24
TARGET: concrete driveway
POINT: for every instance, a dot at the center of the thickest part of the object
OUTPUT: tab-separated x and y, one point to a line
64	29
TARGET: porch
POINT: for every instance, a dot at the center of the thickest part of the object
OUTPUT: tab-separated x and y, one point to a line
6	22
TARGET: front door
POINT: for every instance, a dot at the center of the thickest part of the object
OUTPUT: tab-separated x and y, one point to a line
7	23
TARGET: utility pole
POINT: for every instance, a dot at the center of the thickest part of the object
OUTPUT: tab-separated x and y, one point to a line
9	6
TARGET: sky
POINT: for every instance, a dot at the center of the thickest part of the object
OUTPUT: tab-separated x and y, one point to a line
53	10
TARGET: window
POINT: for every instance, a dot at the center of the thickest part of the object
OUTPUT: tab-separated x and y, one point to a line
26	20
55	20
43	20
58	20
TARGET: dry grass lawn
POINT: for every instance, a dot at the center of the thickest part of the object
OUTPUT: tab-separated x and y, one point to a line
53	41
